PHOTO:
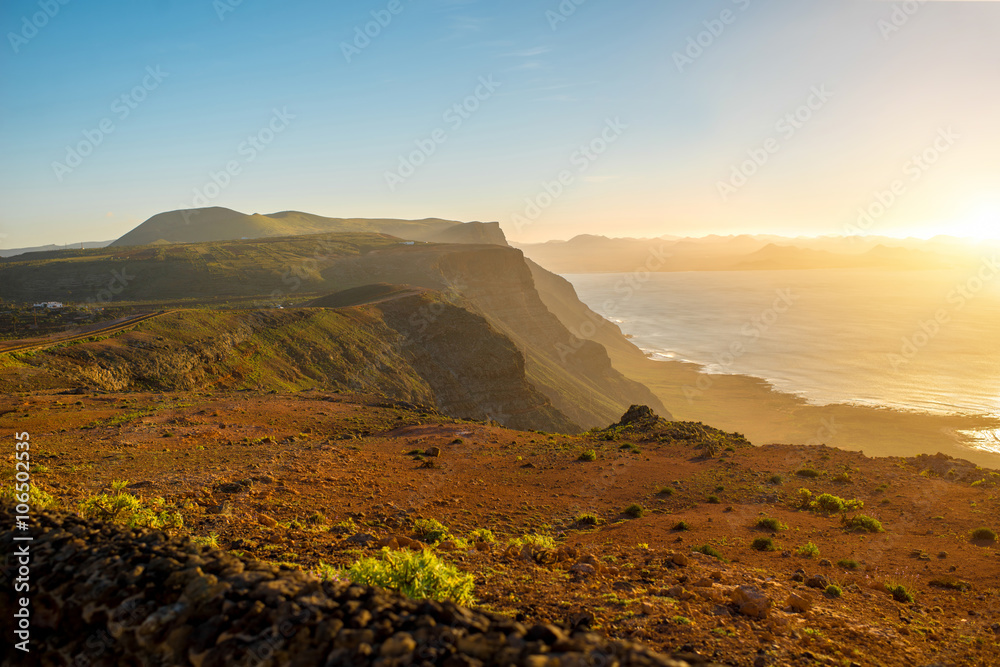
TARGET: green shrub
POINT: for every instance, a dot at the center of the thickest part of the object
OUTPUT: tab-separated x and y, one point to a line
899	592
984	535
863	523
805	497
770	523
534	540
834	591
635	510
713	500
776	479
212	541
416	574
431	531
665	491
589	455
763	544
125	509
848	564
809	550
829	503
842	478
37	498
588	519
808	472
482	535
682	525
709	550
629	447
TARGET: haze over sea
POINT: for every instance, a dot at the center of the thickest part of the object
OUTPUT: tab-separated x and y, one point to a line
923	341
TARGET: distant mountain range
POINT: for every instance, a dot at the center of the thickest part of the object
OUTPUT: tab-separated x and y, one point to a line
600	254
10	252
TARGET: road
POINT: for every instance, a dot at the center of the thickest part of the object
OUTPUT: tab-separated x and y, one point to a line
104	330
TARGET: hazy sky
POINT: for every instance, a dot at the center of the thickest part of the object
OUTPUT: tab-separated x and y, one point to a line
113	111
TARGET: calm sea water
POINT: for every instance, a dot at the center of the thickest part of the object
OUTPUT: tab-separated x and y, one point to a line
914	340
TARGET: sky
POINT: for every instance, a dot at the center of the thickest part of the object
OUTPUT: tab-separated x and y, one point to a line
553	117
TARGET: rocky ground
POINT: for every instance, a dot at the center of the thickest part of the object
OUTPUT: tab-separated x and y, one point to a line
290	481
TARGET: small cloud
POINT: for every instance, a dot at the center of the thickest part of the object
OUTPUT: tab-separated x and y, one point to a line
531	64
529	53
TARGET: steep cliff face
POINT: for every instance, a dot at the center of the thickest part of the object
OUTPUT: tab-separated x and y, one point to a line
561	299
473	370
483	233
575	374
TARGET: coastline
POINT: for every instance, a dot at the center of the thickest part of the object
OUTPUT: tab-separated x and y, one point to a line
751	406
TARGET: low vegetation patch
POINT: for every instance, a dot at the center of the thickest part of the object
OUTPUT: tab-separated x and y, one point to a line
899	592
848	564
984	535
482	535
35	497
808	472
950	583
763	544
809	550
431	531
834	591
709	550
416	574
635	510
588	455
534	540
862	523
587	519
713	500
682	525
665	491
123	508
770	523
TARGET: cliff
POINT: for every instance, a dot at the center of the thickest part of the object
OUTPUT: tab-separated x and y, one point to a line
575	374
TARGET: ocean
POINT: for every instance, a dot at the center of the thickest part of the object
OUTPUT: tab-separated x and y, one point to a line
926	341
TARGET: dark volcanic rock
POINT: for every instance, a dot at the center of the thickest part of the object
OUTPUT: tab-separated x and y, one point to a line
103	595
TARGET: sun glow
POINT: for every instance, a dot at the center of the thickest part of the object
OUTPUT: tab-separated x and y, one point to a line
982	223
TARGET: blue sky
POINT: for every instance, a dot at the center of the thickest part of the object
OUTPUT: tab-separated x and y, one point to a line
266	89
